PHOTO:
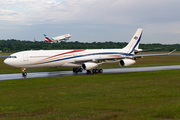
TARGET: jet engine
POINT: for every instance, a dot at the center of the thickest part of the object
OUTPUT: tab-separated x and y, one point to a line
89	65
126	62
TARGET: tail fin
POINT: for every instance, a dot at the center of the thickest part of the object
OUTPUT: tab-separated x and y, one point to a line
47	39
134	43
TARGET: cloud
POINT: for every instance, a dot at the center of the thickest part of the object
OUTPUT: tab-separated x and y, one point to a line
160	16
106	11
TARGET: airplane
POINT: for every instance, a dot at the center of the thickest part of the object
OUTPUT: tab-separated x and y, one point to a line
79	60
56	39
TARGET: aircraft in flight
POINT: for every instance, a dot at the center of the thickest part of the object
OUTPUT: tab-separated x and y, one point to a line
79	60
56	39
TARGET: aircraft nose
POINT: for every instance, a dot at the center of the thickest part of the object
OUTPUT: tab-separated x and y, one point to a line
6	61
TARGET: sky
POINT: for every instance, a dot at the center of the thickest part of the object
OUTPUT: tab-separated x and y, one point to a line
91	20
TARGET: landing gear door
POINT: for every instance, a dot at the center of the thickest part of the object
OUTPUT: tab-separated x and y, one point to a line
25	57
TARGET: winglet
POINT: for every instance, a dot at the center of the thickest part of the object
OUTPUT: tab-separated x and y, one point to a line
171	52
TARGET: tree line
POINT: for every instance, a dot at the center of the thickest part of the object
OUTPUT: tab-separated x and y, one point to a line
13	45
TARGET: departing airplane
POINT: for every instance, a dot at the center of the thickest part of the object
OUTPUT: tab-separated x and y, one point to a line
79	59
56	39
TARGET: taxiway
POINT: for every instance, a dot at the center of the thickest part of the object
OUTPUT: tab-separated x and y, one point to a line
70	73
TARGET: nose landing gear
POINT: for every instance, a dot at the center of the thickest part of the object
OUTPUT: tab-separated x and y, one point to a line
24	74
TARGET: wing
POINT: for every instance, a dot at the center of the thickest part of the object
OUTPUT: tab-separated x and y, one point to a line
142	55
101	60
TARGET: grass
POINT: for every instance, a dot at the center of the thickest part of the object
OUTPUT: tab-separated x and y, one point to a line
2	53
142	95
124	96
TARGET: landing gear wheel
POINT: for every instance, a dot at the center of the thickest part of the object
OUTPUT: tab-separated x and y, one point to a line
97	70
80	69
94	71
88	72
24	74
75	70
100	71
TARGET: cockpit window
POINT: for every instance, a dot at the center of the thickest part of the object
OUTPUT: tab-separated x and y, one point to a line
12	57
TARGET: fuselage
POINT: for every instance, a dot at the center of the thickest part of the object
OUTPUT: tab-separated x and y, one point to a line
62	37
60	58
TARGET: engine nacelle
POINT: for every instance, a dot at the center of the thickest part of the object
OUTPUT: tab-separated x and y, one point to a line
89	65
126	62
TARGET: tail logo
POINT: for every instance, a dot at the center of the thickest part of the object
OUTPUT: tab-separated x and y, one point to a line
136	38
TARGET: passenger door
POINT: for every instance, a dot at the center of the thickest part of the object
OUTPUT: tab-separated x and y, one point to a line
25	57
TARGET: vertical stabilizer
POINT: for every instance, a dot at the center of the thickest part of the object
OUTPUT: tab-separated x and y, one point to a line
134	43
47	39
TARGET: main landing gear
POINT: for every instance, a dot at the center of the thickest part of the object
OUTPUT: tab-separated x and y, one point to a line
95	71
24	74
76	70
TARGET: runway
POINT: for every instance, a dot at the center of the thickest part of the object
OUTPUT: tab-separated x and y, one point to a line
70	73
4	55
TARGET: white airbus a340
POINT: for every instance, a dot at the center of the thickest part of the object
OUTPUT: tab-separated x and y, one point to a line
79	59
